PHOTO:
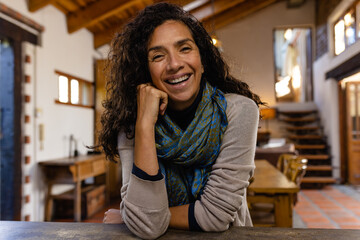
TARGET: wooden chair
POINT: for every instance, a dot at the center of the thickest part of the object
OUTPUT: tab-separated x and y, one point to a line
284	161
296	172
261	206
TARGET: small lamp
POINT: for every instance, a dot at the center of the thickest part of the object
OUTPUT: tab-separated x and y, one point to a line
267	114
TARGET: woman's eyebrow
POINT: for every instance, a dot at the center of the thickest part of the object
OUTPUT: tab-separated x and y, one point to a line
178	43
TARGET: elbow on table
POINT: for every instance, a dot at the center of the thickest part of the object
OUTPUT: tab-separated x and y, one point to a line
217	226
148	229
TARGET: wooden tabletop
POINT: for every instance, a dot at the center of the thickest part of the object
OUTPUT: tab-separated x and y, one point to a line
268	179
67	161
54	231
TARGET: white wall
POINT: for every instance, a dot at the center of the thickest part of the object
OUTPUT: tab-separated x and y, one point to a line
248	44
72	54
326	90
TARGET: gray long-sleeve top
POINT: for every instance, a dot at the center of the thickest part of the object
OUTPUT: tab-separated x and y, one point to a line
144	205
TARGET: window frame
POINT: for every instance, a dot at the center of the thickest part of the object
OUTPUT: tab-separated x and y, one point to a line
80	89
352	9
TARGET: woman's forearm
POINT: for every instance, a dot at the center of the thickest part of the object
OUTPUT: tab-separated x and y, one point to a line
179	217
145	151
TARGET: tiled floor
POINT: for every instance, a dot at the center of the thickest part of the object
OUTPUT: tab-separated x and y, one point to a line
336	206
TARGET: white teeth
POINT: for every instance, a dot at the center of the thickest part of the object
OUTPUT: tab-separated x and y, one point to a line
177	80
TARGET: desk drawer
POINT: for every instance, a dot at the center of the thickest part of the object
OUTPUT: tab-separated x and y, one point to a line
90	169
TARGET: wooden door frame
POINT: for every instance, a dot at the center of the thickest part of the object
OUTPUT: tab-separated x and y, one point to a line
343	133
18	36
338	73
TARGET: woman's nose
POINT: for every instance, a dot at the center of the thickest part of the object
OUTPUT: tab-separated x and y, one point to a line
174	62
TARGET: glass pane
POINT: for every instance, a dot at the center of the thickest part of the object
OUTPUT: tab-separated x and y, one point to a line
85	94
350	32
352	98
358	110
339	31
63	89
74	91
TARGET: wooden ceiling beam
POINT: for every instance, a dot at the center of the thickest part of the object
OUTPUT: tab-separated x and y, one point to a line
104	37
233	14
96	12
225	13
212	8
34	5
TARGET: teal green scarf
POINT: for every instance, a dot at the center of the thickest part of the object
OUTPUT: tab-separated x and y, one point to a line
186	157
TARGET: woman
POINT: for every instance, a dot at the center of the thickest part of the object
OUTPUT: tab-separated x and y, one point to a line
187	142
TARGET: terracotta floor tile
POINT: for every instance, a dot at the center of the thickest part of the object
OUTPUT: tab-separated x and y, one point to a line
337	214
305	211
326	207
315	219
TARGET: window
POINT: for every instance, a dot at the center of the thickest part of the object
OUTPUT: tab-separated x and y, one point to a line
347	28
74	91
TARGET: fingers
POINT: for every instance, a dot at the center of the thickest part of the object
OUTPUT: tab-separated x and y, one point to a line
163	102
113	216
151	101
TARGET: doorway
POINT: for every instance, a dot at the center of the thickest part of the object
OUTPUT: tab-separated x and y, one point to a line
350	112
7	117
11	105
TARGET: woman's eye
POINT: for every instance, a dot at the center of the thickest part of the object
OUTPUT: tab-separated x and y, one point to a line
157	58
185	49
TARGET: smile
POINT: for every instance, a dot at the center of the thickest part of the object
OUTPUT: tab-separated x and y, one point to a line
178	80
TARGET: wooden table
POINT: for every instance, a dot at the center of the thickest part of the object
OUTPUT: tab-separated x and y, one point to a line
55	230
270	183
72	171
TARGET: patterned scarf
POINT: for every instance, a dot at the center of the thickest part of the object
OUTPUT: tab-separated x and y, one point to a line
186	157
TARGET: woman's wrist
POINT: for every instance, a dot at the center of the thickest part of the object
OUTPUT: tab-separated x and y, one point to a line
145	150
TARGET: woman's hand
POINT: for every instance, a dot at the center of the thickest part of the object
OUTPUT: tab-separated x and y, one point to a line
113	216
150	102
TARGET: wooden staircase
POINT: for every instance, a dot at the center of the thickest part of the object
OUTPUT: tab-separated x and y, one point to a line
305	131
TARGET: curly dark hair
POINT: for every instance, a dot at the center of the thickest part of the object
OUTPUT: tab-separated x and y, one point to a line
128	68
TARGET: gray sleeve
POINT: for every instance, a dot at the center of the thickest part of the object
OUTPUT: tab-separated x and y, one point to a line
224	196
144	205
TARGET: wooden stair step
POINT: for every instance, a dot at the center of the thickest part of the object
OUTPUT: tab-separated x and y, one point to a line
318	146
318	168
301	119
318	180
315	157
291	113
302	128
307	136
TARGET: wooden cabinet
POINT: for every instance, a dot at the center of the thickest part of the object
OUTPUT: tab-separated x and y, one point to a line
73	171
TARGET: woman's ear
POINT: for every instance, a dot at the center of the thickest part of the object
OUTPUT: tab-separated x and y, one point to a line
202	69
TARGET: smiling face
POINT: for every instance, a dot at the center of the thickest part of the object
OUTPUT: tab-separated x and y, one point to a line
175	64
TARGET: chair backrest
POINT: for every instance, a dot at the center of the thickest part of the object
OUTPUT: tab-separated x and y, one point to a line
297	170
284	161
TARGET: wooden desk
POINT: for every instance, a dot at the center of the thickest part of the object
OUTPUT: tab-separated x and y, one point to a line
73	171
56	231
270	181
